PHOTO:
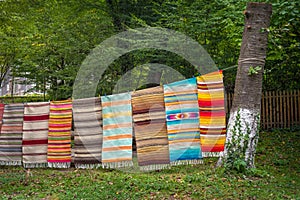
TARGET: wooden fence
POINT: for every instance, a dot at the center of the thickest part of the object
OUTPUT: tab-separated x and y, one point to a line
279	109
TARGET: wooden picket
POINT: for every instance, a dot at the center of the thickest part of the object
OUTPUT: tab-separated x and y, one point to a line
279	109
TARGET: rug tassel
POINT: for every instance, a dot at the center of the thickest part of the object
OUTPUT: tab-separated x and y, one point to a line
11	163
187	162
87	166
59	165
148	168
211	154
35	165
115	165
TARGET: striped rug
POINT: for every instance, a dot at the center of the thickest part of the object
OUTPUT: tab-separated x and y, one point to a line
150	129
212	113
59	137
35	134
117	130
11	135
182	114
87	116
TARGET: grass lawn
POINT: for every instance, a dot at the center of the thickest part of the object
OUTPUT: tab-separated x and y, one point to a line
277	177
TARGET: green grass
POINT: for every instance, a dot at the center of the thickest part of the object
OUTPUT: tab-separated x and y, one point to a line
276	177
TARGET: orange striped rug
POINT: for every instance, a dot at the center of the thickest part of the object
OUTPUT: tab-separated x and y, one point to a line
59	137
212	113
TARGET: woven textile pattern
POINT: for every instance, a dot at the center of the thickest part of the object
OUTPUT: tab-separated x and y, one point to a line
88	132
1	114
150	128
11	135
212	113
182	116
117	130
59	137
35	134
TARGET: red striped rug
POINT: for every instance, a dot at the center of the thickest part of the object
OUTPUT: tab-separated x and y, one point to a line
35	134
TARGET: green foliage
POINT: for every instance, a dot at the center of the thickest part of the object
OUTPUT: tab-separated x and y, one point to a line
282	67
24	99
13	30
253	70
216	25
59	37
46	41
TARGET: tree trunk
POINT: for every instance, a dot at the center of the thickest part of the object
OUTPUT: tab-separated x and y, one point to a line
248	85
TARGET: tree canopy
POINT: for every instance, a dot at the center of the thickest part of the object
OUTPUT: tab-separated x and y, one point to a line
46	41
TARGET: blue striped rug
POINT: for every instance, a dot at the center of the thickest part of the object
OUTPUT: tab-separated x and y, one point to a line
117	130
182	116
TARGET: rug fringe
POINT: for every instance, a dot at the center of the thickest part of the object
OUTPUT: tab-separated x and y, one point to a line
87	166
11	163
35	165
187	162
114	165
59	165
154	167
211	154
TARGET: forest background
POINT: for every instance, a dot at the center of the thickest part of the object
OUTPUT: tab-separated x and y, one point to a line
47	41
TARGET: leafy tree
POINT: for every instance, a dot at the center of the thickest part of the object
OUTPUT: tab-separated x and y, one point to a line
61	37
47	41
282	68
13	29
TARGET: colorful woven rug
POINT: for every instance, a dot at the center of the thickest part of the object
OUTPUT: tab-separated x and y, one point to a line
35	134
88	132
117	130
59	137
212	113
1	114
182	114
11	135
150	129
